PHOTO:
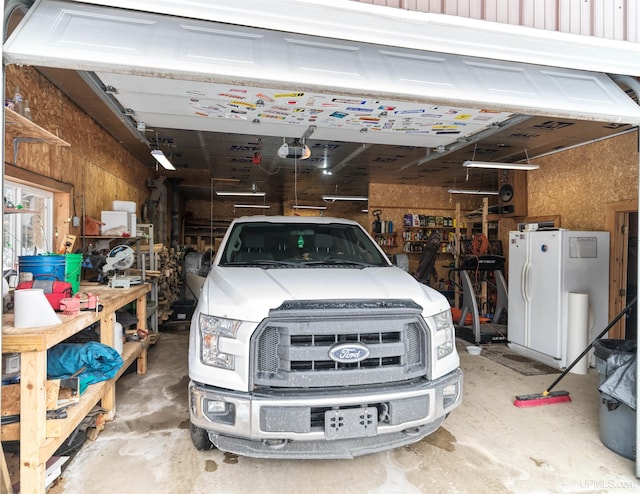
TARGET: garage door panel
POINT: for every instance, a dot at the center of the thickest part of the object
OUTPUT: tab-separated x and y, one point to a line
503	80
315	57
73	29
143	43
418	70
582	88
200	44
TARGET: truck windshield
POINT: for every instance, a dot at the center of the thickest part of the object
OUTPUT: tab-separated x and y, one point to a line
268	244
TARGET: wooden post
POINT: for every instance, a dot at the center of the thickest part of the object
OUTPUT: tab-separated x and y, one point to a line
485	232
456	260
33	413
107	331
5	485
141	314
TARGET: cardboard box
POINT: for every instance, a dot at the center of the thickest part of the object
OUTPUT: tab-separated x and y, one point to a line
115	223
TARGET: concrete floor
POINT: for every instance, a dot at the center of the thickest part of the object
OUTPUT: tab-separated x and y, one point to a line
486	445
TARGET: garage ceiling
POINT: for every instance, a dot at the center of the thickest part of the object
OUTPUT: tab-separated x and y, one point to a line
223	98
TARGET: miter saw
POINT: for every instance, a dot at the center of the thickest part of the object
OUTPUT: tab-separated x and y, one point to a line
120	258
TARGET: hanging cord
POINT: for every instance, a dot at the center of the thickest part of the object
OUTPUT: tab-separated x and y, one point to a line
212	184
295	177
479	245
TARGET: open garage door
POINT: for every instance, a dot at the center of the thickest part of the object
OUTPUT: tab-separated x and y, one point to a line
157	62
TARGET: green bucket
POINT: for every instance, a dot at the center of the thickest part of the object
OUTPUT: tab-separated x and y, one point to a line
73	270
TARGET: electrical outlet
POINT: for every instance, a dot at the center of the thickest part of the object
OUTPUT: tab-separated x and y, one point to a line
75	221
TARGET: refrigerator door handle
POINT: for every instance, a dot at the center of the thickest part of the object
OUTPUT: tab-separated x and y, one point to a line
525	282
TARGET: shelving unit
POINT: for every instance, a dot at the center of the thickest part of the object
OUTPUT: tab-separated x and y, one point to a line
416	237
25	131
388	242
17	211
19	125
201	233
151	263
40	438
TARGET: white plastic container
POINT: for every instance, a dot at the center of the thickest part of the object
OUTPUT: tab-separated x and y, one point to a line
474	350
114	221
118	337
127	206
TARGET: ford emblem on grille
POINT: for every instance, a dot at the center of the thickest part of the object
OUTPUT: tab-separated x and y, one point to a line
348	353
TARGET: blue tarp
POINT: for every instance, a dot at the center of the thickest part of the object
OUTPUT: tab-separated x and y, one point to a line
100	362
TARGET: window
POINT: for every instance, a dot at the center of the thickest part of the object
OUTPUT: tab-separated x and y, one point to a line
28	230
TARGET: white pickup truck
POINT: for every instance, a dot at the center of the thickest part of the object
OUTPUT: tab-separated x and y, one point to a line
307	342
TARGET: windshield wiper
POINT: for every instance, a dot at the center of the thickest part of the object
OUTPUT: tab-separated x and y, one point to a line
345	262
262	262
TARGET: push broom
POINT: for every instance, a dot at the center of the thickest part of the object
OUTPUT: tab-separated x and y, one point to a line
548	397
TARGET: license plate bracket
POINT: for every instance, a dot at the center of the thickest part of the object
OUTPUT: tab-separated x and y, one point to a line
350	423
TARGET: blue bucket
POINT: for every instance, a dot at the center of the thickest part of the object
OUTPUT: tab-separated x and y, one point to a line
49	266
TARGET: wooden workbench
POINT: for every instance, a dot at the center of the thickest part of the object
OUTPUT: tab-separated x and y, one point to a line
40	438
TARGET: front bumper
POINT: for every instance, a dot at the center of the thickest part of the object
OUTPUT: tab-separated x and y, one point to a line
323	424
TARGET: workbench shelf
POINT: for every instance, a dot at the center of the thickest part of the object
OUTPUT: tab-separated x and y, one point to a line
40	438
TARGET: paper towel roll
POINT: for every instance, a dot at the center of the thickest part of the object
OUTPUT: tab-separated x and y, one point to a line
578	331
32	309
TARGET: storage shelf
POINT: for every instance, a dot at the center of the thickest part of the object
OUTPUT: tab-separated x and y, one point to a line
17	211
25	128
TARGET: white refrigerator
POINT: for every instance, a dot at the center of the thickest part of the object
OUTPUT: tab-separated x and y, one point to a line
544	268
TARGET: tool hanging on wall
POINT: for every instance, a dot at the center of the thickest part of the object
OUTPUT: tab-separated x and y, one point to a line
376	226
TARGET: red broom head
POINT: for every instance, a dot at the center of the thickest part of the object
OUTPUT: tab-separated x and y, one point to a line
527	401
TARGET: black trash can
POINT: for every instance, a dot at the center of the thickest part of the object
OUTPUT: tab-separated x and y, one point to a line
617	374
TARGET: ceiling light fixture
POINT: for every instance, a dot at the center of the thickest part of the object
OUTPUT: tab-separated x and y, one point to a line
252	206
243	194
474	192
344	198
162	159
320	208
500	166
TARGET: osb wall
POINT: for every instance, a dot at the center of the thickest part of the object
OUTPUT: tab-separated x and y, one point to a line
223	209
96	165
578	184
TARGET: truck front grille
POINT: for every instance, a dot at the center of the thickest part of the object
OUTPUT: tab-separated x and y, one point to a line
291	347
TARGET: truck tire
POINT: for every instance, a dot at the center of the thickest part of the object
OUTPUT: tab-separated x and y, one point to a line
200	438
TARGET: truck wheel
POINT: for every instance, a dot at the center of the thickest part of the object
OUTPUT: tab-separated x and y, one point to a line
200	438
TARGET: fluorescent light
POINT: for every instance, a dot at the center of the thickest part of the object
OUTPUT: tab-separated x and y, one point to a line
500	166
252	206
243	194
344	198
162	159
475	192
310	207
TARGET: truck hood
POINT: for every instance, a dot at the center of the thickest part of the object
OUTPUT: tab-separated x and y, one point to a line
237	292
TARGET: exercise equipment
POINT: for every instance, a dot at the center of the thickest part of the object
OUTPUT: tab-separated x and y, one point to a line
481	329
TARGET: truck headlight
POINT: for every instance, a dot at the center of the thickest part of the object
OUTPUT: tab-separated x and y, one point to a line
445	333
213	328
